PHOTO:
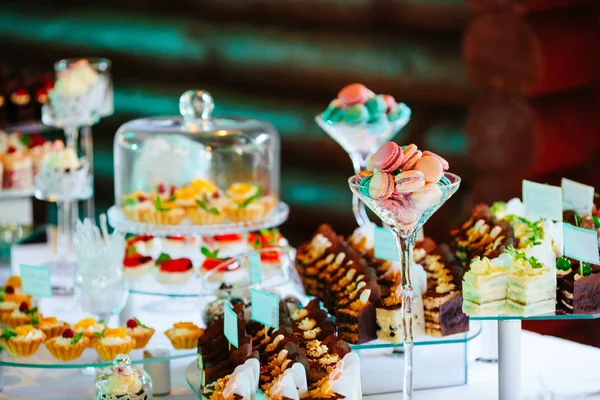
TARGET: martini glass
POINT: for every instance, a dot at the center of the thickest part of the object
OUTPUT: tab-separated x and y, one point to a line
405	214
362	140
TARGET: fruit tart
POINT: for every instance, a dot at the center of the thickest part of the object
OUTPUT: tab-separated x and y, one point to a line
140	332
144	244
214	266
202	187
136	205
234	243
24	314
13	285
68	345
268	243
136	265
247	203
209	210
23	341
111	342
172	271
173	243
89	327
9	301
51	326
164	212
184	335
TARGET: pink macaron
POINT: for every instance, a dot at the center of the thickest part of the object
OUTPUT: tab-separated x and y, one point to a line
355	93
431	168
425	198
409	181
442	160
388	158
411	155
391	102
381	185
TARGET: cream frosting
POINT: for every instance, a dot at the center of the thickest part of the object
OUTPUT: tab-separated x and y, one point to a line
109	341
33	334
8	305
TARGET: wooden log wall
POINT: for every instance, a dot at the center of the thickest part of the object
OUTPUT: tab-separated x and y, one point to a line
280	61
537	113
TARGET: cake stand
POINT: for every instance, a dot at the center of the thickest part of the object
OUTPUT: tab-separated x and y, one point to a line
509	347
374	360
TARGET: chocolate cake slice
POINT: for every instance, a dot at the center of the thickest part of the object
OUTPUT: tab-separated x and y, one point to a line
356	321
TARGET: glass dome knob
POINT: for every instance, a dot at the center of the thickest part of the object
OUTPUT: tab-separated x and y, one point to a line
195	105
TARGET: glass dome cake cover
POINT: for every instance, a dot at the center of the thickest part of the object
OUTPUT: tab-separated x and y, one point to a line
195	169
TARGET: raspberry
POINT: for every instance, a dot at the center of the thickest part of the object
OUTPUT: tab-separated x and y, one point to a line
161	188
132	324
216	195
9	290
142	198
68	333
23	307
11	149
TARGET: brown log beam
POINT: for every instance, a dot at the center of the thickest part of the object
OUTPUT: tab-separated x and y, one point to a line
540	55
513	135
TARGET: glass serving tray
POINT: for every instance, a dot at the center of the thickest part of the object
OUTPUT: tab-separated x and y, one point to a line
541	317
90	359
118	221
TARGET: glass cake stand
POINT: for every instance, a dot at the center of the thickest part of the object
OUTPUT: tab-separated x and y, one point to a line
192	373
509	347
119	222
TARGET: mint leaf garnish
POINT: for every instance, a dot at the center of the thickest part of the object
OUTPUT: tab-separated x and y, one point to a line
99	335
250	199
139	323
207	207
162	258
158	205
498	206
7	334
131	250
31	311
535	263
130	202
35	320
75	339
213	255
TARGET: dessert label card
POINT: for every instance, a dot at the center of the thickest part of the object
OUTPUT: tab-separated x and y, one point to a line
385	245
542	201
581	244
255	268
230	327
577	196
265	308
36	280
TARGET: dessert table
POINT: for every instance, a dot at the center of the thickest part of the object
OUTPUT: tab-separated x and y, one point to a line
551	368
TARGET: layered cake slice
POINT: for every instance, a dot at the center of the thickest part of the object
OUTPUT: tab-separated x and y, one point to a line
485	288
531	286
390	327
578	287
357	321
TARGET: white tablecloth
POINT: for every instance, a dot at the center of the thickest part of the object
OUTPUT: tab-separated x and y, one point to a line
552	368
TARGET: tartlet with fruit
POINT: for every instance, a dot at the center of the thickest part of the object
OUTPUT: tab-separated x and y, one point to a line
136	205
164	212
172	271
23	341
209	210
184	335
111	342
268	242
51	326
140	332
136	265
214	266
89	327
13	285
23	315
9	301
248	203
144	244
68	345
233	243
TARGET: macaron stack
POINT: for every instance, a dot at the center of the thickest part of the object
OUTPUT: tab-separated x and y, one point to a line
356	105
405	174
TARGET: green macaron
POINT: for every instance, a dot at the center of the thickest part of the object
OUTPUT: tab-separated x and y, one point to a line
356	114
333	114
376	106
363	185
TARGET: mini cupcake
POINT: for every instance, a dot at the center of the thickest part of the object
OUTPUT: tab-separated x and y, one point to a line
89	327
140	332
184	335
68	345
172	271
164	213
136	205
51	326
111	342
22	315
23	341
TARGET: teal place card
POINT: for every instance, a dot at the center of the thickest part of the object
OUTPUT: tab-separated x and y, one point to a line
577	196
230	326
385	245
259	395
35	280
542	201
265	308
255	268
581	244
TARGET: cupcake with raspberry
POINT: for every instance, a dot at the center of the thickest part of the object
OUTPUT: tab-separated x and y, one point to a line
184	335
23	341
89	327
111	342
140	332
172	271
10	301
68	345
136	265
23	315
51	326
